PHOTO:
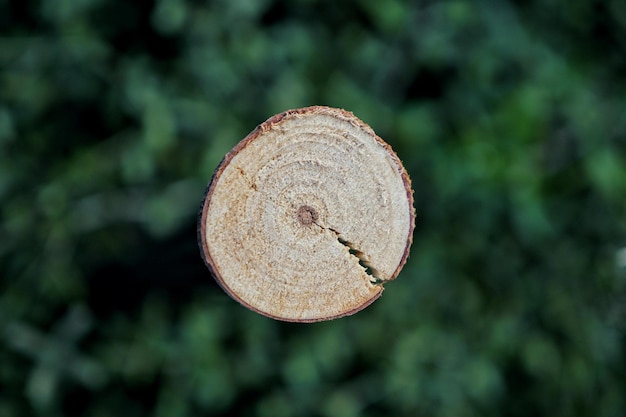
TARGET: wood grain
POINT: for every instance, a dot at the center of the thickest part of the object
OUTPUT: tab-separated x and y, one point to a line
307	217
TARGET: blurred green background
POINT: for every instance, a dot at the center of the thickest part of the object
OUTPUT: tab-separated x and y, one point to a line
510	117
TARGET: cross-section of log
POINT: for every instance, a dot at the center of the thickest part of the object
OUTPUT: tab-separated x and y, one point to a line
308	216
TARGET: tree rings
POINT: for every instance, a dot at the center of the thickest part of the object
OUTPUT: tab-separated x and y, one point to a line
308	216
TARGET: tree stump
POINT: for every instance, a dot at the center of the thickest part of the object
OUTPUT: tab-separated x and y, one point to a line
307	217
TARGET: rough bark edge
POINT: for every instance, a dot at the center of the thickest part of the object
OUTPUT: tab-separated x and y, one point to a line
268	125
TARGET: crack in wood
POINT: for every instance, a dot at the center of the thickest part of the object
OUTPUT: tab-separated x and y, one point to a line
362	257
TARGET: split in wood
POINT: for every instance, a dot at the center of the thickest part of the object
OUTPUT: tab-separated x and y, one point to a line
369	269
363	259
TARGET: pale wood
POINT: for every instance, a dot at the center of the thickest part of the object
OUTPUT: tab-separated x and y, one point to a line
308	216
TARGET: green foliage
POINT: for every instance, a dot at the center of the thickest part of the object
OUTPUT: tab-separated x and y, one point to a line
510	117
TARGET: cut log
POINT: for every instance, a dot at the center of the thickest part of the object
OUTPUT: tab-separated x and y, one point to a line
308	216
